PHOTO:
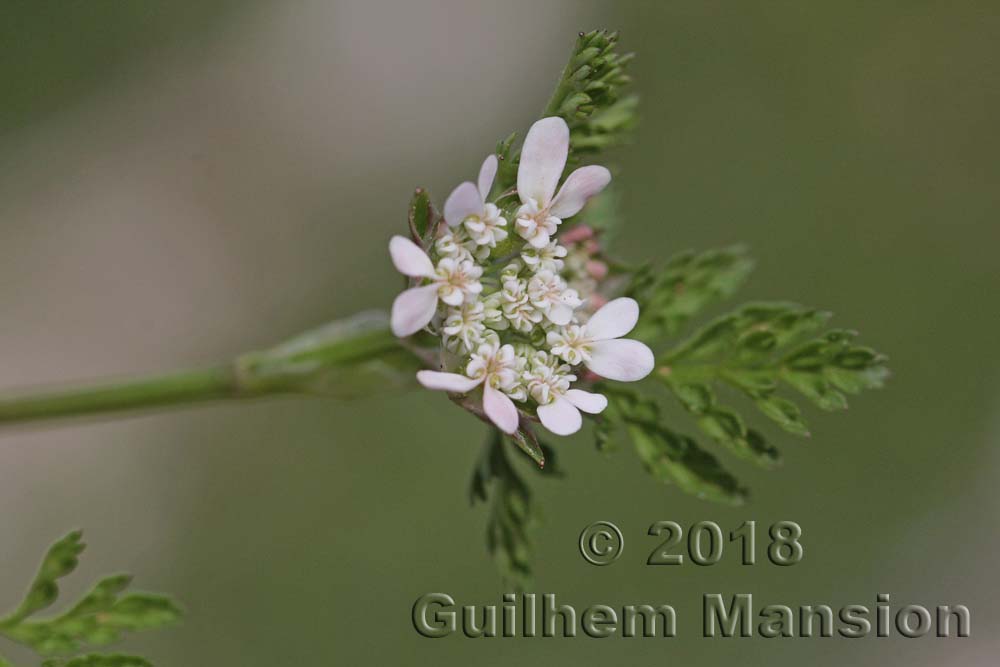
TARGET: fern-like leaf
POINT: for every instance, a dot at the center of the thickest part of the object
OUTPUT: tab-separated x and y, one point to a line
102	616
757	350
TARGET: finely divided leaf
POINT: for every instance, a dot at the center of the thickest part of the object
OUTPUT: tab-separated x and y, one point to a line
756	350
100	617
669	456
674	293
512	512
60	560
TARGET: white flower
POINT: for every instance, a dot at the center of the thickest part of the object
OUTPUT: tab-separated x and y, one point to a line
534	224
522	354
466	205
547	374
493	312
599	344
451	245
519	333
559	406
548	293
457	280
487	229
517	307
493	366
512	270
543	158
547	258
562	414
465	325
453	281
569	343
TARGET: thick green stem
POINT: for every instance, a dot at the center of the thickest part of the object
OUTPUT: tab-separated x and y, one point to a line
343	358
155	391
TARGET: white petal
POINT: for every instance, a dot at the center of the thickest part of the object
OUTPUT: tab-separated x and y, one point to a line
560	416
614	319
461	203
453	296
500	409
580	186
486	175
560	314
543	158
587	401
452	382
621	359
539	240
413	309
409	259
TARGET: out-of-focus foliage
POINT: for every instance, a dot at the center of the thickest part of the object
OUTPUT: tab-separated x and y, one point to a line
101	617
512	512
670	457
681	288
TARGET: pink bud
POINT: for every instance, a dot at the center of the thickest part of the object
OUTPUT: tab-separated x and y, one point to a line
596	301
597	270
591	247
577	234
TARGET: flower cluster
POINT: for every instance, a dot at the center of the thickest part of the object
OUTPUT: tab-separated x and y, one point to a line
518	312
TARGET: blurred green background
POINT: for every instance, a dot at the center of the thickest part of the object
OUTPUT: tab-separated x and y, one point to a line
181	182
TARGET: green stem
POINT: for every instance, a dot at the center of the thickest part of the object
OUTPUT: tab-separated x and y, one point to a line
151	392
336	359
